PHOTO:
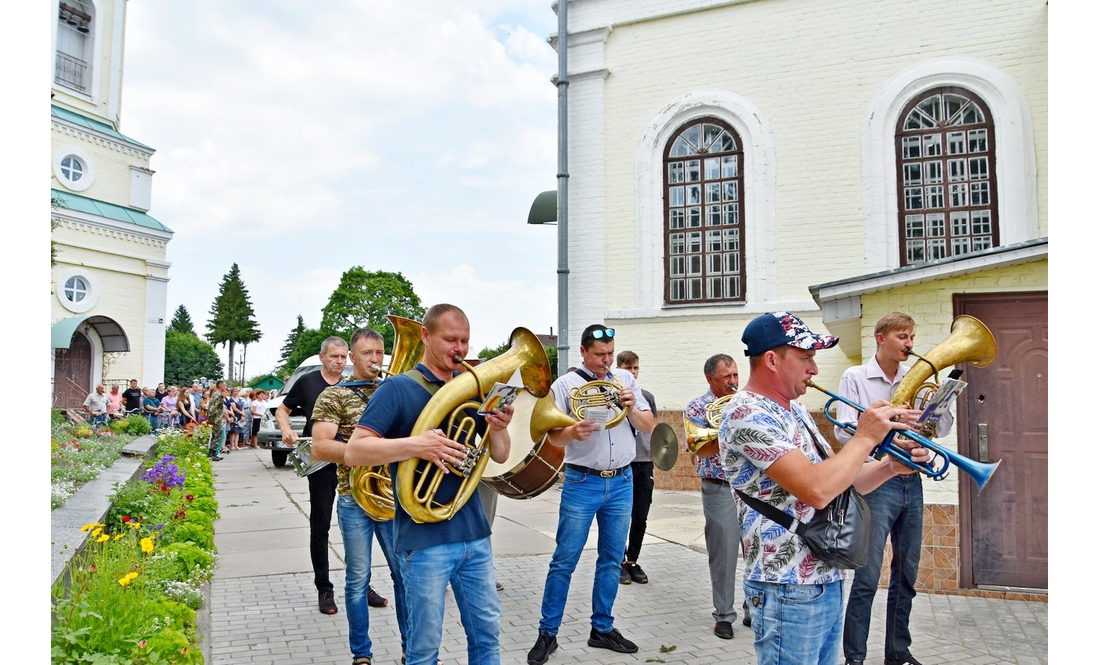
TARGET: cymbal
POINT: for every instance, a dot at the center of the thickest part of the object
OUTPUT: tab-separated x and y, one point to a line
664	446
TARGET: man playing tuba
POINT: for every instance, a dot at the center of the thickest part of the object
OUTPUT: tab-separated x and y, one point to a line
455	551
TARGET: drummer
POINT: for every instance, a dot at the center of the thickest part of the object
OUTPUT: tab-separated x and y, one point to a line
322	483
335	416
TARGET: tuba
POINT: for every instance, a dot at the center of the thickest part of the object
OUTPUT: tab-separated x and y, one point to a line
371	486
418	481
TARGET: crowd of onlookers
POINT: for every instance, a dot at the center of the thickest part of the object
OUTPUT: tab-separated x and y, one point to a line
170	407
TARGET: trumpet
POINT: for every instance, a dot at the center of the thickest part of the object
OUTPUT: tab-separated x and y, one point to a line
936	468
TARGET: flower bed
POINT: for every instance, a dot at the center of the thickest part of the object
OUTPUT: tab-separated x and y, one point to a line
131	595
78	453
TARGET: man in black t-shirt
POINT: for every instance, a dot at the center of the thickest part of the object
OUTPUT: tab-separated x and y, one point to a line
322	483
131	398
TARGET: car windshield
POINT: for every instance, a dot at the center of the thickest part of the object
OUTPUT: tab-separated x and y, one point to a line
302	371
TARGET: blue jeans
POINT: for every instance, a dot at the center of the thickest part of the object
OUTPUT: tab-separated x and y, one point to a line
357	529
897	510
468	567
796	624
584	497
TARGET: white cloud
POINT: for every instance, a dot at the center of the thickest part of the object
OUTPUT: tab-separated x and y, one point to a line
300	139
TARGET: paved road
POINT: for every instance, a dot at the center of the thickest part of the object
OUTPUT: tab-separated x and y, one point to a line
265	605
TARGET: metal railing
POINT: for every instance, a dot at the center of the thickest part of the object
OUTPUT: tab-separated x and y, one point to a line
70	72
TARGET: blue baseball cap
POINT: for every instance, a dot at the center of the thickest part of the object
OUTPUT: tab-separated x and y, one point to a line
774	329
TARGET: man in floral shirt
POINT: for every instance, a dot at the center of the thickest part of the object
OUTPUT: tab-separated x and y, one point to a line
719	506
766	443
335	415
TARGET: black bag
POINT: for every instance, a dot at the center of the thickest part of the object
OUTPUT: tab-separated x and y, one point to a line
839	534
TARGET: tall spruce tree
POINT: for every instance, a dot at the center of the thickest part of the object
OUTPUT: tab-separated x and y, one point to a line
291	342
232	319
181	322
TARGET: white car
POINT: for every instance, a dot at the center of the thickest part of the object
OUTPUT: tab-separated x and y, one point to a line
269	435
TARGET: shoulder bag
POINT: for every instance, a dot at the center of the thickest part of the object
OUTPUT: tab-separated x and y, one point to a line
839	534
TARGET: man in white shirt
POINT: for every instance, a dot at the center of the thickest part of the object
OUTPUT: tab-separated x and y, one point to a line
95	405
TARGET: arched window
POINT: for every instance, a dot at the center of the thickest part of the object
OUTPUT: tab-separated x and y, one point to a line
946	174
74	44
704	214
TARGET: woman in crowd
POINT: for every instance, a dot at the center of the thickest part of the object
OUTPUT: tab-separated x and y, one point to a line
168	415
186	411
244	422
259	405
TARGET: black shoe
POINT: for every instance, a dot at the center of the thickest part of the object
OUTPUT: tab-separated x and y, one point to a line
724	629
545	645
746	618
374	599
326	602
613	640
624	575
908	660
500	586
852	661
636	573
215	458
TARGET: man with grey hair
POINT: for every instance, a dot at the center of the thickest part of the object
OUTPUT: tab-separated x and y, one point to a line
322	483
719	506
96	405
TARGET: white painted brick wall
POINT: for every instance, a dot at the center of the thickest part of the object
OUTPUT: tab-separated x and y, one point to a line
812	69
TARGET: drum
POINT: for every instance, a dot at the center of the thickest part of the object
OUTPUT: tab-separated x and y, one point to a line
532	467
302	459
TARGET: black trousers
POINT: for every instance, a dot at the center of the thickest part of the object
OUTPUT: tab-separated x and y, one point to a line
639	513
322	496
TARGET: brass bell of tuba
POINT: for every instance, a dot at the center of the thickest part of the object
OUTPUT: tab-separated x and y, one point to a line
418	481
371	486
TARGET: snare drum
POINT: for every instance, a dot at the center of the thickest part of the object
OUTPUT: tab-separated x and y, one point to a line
302	459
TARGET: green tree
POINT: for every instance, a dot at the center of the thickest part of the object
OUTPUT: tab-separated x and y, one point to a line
363	299
308	344
232	319
291	343
181	321
186	358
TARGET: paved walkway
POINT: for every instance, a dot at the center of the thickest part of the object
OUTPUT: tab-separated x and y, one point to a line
265	605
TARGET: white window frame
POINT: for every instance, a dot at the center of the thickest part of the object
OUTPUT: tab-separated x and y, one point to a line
90	298
758	245
88	175
1018	206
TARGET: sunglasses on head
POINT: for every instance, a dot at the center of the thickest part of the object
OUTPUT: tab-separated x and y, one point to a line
609	333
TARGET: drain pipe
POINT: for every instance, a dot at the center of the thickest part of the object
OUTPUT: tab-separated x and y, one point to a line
563	188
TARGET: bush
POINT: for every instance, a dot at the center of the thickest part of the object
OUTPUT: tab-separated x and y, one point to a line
133	592
132	424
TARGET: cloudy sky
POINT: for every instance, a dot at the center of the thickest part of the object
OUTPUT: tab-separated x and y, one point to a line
300	139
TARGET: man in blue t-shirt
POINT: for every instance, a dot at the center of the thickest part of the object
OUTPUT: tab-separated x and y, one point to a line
454	551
